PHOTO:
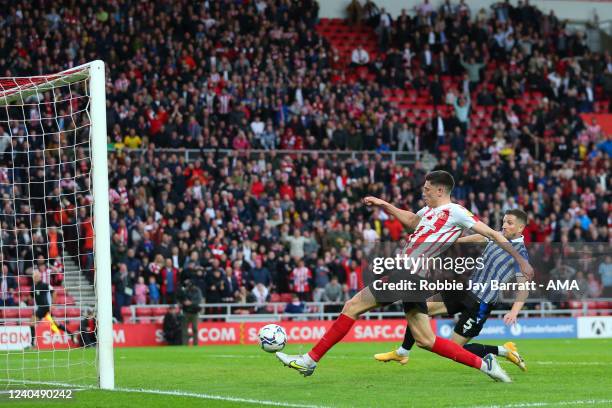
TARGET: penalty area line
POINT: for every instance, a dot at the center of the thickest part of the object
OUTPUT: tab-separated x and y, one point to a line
174	393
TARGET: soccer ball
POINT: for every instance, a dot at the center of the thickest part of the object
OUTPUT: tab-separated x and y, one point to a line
272	338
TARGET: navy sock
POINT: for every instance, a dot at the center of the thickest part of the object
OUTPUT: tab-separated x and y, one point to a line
408	340
481	350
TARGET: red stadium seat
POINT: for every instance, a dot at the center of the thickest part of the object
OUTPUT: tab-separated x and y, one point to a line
144	311
126	311
159	311
73	312
286	297
59	290
574	304
64	300
26	313
21	297
11	313
275	297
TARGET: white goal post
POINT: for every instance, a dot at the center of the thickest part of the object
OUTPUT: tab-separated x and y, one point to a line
54	228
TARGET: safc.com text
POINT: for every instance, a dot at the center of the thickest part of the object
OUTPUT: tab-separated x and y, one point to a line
414	264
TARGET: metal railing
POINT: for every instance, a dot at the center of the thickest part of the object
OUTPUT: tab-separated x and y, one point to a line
232	312
275	311
190	155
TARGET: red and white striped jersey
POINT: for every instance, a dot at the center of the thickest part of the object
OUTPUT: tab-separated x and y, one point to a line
438	229
299	279
45	274
355	279
224	103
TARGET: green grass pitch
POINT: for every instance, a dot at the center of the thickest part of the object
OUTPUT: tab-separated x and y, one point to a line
560	373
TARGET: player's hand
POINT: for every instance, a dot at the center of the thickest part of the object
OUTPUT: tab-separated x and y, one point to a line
373	201
510	318
527	270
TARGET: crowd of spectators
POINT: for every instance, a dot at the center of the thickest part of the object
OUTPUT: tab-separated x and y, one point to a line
239	75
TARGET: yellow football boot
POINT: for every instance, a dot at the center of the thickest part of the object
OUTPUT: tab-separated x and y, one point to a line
391	356
513	356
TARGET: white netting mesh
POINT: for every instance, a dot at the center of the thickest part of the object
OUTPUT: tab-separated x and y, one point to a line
46	230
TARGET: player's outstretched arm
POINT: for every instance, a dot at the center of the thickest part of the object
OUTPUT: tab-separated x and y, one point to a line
472	239
483	229
511	317
407	218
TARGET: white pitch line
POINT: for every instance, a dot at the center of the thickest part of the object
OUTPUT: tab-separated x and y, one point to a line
53	383
545	404
217	397
180	394
290	405
584	363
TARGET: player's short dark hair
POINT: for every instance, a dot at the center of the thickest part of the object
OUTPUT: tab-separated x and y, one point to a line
441	178
520	215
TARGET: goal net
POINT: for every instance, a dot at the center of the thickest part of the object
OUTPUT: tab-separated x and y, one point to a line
55	287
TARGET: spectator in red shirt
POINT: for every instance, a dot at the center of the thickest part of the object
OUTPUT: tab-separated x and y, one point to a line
240	142
257	187
394	227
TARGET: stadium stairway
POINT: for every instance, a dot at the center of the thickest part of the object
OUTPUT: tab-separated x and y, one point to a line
77	285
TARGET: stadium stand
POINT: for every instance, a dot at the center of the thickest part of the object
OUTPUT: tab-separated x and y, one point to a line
497	99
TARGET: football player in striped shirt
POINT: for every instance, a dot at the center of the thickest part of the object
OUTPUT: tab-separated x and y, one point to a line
437	225
475	306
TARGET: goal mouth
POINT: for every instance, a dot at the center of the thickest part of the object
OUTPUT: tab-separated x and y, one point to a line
16	90
56	315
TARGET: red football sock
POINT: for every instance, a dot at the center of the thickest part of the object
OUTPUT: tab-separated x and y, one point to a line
448	349
341	326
